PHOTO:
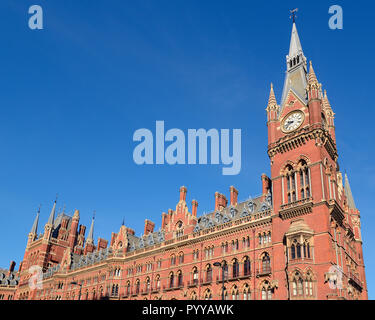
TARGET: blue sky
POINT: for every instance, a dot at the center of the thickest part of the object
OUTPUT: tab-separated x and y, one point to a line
72	95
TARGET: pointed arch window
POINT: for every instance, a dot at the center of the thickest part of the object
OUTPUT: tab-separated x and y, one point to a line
246	266
235	268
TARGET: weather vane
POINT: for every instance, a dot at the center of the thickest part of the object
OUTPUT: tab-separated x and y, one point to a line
293	14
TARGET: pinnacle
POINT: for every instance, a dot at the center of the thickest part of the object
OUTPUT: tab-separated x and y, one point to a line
272	99
312	75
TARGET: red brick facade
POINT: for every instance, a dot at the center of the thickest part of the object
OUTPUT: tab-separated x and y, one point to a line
283	244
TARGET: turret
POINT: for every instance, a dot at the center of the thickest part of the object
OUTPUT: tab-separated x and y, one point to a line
89	247
48	228
272	115
329	116
34	230
314	89
73	229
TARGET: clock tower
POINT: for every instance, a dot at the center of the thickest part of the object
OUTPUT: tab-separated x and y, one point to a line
310	207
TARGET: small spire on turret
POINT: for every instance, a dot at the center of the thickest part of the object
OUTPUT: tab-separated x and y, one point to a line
312	76
34	229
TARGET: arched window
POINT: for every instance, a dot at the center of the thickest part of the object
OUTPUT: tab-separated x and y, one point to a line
298	251
266	263
246	266
309	285
297	284
171	280
148	284
179	278
235	268
293	251
181	258
246	292
173	260
304	177
208	273
208	295
266	291
291	183
157	282
127	288
137	286
235	293
195	275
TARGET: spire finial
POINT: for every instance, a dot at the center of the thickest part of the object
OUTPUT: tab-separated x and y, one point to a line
51	218
123	222
91	232
34	228
348	193
272	99
312	75
293	15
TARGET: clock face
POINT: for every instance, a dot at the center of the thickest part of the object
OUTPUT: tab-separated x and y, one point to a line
293	121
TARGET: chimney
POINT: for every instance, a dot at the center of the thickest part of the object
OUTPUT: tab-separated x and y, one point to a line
11	267
164	220
113	238
233	196
82	230
220	201
194	207
183	192
149	227
102	244
265	184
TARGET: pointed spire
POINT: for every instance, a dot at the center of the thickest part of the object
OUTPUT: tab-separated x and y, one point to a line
272	99
348	193
326	102
295	47
76	214
34	228
51	218
296	75
312	76
91	232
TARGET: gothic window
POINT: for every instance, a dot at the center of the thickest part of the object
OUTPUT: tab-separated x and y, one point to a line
208	273
148	284
208	295
246	292
298	251
291	183
266	291
235	268
309	285
181	258
304	180
127	288
266	263
195	275
293	251
235	293
173	260
157	282
171	280
246	266
297	284
179	279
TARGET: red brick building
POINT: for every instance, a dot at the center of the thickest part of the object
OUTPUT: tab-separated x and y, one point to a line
300	239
